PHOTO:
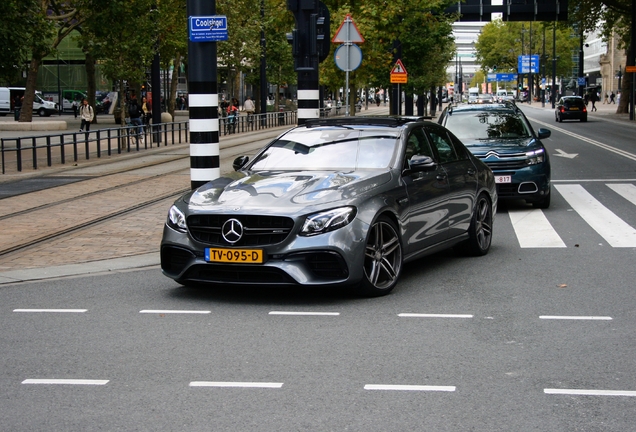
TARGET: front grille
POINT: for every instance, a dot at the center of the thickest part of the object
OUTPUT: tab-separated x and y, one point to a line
506	164
239	274
174	259
258	230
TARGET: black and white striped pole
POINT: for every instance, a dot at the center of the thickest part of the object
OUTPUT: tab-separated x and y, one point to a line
205	28
310	45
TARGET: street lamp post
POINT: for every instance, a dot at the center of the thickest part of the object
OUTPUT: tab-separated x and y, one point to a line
619	74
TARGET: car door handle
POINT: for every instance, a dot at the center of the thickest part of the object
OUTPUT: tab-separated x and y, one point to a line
471	171
441	177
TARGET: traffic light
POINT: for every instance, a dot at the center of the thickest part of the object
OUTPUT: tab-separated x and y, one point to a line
310	39
494	68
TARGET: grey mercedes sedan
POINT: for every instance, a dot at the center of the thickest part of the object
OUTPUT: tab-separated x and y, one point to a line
342	201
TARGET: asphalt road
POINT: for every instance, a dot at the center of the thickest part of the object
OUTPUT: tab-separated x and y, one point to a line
527	338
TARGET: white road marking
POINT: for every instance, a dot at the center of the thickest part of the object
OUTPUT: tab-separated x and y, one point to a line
590	392
305	313
65	381
534	230
561	153
593	318
160	311
618	151
627	191
52	310
612	228
409	387
235	384
421	315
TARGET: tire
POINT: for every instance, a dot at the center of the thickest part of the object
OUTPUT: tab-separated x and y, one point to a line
584	119
480	230
544	203
41	112
382	259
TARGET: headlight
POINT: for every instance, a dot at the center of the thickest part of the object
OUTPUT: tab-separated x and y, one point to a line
535	157
176	219
322	222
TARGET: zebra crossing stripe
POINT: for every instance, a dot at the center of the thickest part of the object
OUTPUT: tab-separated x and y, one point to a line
613	229
533	229
626	190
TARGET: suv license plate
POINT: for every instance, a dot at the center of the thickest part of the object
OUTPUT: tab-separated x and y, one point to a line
240	256
503	179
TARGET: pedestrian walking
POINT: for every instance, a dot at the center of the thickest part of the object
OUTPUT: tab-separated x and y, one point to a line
612	96
594	99
147	111
86	114
606	99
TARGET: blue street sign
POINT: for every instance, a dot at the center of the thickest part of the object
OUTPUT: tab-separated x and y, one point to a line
528	64
208	29
502	77
581	81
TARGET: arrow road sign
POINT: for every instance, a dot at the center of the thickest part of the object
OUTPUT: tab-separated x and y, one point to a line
561	153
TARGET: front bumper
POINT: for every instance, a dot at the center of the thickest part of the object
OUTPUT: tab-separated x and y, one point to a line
333	258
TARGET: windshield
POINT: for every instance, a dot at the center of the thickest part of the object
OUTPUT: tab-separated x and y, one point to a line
329	149
487	125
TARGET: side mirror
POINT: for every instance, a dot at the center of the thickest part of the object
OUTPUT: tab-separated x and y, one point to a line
422	163
240	162
544	133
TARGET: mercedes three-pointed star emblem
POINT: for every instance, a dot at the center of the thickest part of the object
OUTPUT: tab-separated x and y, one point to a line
232	230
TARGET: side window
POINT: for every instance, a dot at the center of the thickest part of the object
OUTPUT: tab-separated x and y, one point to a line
417	144
443	144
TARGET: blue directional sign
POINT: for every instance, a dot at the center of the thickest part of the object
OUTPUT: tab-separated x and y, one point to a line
208	29
502	77
528	64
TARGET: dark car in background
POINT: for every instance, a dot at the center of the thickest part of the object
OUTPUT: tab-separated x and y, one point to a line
334	202
502	137
570	108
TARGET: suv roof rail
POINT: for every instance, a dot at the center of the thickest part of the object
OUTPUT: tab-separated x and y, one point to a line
393	121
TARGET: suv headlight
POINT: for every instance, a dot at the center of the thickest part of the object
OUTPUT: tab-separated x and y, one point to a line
535	157
325	221
176	219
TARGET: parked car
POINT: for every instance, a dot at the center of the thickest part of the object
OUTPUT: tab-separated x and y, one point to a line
340	201
570	108
502	137
8	96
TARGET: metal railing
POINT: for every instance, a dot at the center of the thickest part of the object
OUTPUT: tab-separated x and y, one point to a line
64	147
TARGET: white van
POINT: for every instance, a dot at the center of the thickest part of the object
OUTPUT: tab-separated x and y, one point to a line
40	106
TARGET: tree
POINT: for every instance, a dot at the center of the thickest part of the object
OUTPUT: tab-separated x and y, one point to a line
608	16
15	39
500	44
51	22
124	37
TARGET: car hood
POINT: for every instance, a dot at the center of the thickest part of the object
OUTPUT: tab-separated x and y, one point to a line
273	191
481	147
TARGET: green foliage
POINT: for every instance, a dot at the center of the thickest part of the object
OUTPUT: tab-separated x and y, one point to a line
426	42
500	44
26	30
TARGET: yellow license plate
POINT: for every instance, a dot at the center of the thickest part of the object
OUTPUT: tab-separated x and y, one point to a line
574	108
239	256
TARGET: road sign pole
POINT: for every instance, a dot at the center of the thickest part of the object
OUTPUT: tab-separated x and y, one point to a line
347	44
